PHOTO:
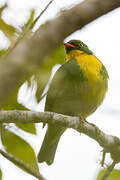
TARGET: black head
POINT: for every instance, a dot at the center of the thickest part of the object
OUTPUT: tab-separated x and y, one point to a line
77	45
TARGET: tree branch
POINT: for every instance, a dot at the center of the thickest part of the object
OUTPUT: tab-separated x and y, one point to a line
30	53
111	144
22	165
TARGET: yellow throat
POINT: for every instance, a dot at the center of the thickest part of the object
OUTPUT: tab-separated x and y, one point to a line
88	63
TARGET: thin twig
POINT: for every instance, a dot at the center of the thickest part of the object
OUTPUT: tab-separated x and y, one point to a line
22	165
27	30
43	95
34	22
108	171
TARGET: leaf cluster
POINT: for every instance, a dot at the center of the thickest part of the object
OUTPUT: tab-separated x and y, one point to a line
13	143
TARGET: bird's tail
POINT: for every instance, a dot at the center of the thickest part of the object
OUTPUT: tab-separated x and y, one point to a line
49	145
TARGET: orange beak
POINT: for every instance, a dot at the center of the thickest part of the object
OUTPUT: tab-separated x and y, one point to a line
68	45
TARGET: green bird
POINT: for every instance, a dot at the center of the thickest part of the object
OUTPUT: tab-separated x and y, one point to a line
77	89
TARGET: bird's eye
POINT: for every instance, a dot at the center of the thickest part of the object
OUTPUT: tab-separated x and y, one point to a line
80	44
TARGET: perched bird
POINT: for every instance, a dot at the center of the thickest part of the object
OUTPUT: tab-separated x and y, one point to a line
77	89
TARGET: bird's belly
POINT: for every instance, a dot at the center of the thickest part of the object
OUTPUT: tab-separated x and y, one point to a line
80	100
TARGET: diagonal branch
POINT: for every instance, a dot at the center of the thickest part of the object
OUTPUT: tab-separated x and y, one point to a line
27	30
111	144
22	165
30	53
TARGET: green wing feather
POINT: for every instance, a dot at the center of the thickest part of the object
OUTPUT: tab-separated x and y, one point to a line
60	88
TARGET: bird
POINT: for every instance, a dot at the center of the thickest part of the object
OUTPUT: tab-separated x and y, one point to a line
78	88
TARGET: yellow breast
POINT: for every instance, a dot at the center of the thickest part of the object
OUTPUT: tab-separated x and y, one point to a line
89	64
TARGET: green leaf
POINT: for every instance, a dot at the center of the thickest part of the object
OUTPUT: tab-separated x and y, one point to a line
19	148
2	8
115	175
12	104
0	174
30	128
8	30
42	76
2	52
30	20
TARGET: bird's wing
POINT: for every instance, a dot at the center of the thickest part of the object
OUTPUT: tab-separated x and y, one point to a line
61	88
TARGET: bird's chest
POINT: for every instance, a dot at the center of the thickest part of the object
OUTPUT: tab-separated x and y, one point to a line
74	92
